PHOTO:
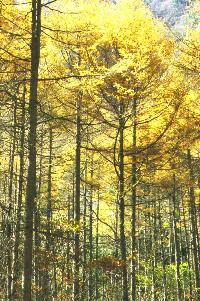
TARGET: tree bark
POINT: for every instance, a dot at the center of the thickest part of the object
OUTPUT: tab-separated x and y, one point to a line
134	200
9	229
31	178
46	283
91	235
16	266
194	224
176	240
97	248
121	204
77	203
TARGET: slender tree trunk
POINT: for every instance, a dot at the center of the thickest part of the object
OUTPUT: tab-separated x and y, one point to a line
176	240
84	236
68	263
116	252
83	293
46	283
162	254
91	235
97	248
194	224
9	229
187	240
121	204
31	178
37	225
77	203
16	264
199	199
153	243
134	200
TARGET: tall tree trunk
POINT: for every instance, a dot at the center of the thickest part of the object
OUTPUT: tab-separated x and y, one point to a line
153	243
77	203
37	226
187	241
97	248
176	240
83	293
134	200
16	264
31	178
91	235
121	203
164	276
68	263
10	208
194	224
84	235
46	283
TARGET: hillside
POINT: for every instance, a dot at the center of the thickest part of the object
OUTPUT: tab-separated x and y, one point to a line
172	11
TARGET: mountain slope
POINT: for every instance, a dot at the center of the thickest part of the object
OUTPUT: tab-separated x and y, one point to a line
172	11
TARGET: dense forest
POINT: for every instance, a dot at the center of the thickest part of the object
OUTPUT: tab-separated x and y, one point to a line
99	152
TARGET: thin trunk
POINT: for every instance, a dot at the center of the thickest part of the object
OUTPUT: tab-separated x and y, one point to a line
187	240
134	200
121	204
162	254
37	222
77	204
176	240
46	283
16	264
97	248
194	224
83	293
31	178
84	237
91	236
68	245
153	243
10	201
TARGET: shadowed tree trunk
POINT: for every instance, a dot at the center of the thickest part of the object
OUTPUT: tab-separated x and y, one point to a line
121	203
9	229
164	277
194	224
16	264
77	203
133	217
176	240
97	247
91	235
31	178
46	284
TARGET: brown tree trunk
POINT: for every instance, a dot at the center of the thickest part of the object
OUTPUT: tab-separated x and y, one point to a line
91	235
194	224
187	240
9	229
162	253
121	204
46	283
16	264
133	216
77	203
37	226
31	178
97	248
176	240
